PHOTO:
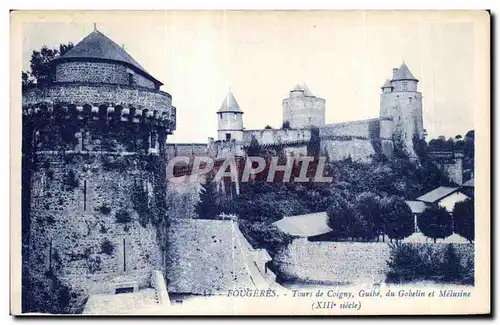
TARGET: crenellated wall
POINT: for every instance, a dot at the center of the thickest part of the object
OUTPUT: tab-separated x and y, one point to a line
270	136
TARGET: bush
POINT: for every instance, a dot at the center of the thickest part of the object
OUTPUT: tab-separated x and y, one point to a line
424	262
123	216
265	235
107	247
104	209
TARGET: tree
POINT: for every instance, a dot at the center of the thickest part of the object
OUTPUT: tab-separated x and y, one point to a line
340	215
208	207
314	144
368	210
463	217
41	64
268	127
397	218
254	149
435	222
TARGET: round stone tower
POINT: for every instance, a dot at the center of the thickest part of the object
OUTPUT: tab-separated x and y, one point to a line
401	102
302	109
94	172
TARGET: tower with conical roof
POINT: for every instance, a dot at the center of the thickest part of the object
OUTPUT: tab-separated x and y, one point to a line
401	111
230	119
94	160
302	109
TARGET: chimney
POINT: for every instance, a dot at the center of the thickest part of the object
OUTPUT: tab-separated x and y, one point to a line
394	72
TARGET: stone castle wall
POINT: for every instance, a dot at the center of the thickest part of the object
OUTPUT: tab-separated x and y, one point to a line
344	262
206	257
360	150
87	225
364	129
100	72
271	136
188	149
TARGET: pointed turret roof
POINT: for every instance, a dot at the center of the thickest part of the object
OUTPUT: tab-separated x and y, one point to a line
387	84
298	88
230	104
403	73
97	46
307	92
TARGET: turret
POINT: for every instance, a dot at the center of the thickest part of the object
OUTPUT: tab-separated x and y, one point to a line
230	119
401	102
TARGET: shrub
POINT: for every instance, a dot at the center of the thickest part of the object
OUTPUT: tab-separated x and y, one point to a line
265	235
425	262
104	209
123	216
107	247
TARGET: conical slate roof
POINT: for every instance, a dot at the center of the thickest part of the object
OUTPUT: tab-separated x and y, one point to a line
387	84
307	92
98	46
403	73
230	104
298	88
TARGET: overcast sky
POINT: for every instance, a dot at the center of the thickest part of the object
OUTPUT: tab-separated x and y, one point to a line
343	57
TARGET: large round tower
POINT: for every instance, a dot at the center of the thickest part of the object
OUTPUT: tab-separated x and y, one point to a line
94	172
302	109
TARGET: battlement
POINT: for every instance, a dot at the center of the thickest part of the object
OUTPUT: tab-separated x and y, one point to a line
158	118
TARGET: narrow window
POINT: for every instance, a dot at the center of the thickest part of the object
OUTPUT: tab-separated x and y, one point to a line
405	85
124	257
84	195
131	79
228	136
50	255
411	99
84	133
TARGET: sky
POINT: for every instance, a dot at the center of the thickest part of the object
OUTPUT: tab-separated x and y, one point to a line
343	57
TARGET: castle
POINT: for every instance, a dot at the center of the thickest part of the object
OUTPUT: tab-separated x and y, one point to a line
94	172
399	122
94	153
